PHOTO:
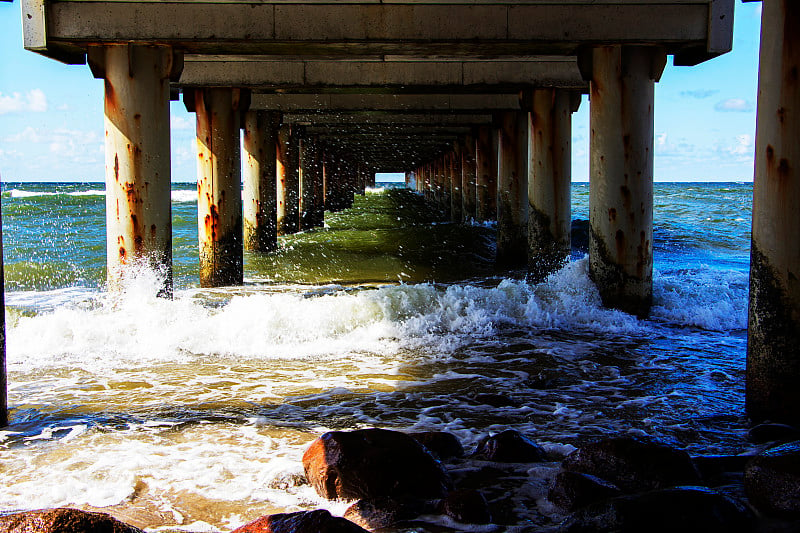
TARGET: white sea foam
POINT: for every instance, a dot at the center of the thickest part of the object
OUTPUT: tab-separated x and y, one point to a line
20	193
184	196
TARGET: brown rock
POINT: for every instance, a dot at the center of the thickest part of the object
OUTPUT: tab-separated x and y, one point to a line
372	464
63	520
510	446
441	444
319	521
634	465
378	514
572	490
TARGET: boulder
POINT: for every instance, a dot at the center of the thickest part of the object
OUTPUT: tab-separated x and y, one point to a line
510	446
634	465
319	521
572	490
772	480
63	520
441	444
466	506
383	513
372	464
683	509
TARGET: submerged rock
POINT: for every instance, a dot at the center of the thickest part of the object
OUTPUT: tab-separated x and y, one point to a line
679	509
772	480
377	514
634	465
442	445
319	521
372	464
466	506
572	490
63	520
510	446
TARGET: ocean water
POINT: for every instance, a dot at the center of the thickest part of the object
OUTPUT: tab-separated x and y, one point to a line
192	414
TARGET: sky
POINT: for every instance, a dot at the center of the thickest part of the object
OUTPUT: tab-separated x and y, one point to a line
51	115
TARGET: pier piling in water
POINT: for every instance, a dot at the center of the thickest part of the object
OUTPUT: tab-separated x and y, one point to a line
137	153
288	181
622	80
486	169
456	195
3	368
773	345
550	213
512	187
260	207
219	184
468	179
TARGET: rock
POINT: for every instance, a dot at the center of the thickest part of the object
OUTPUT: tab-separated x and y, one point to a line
510	446
769	431
371	464
634	465
377	514
441	444
319	521
572	490
720	469
683	509
63	520
772	480
467	507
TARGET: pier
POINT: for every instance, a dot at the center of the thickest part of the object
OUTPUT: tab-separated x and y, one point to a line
471	99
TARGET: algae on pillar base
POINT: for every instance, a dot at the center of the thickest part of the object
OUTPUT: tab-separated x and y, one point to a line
219	183
773	342
137	154
622	85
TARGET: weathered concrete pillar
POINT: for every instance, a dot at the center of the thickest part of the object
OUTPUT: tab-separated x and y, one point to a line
219	184
486	165
288	182
550	178
447	183
317	178
456	192
260	203
621	173
3	369
307	182
468	184
512	187
137	147
773	344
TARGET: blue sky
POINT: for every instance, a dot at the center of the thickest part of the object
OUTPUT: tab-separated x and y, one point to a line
51	115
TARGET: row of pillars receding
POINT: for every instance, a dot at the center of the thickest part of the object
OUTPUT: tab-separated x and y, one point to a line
518	172
288	183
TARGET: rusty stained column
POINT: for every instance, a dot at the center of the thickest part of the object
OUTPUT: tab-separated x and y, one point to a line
773	344
621	170
550	209
512	187
456	192
486	168
219	184
3	369
288	182
468	184
317	179
260	200
137	148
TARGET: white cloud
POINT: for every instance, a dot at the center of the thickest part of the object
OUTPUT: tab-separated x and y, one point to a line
699	93
181	123
34	101
743	145
734	104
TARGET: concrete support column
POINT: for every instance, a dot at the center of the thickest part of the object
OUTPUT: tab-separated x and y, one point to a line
288	182
137	148
622	85
3	370
550	210
317	178
486	168
773	345
456	196
468	185
307	182
260	204
447	183
512	187
219	184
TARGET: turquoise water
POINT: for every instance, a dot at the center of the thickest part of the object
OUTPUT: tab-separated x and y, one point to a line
192	414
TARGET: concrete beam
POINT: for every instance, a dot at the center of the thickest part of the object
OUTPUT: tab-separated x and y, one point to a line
271	73
466	27
389	103
383	118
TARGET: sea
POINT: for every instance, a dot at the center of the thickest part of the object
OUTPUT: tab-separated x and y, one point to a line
193	413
